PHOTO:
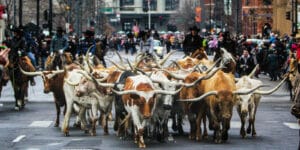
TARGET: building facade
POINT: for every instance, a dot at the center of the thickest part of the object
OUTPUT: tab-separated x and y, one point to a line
124	14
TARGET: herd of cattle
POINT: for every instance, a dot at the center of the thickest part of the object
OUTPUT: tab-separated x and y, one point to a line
146	94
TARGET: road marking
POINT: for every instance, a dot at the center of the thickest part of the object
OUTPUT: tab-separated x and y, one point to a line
33	149
292	125
235	124
54	144
19	138
1	105
40	124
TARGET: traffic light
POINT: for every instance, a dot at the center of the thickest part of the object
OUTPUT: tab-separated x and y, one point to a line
198	14
288	15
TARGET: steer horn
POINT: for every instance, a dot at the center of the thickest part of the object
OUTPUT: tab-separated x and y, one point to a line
248	91
209	75
270	91
253	71
199	98
176	76
166	58
118	66
38	73
71	83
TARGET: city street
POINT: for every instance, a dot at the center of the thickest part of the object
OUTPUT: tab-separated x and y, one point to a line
33	127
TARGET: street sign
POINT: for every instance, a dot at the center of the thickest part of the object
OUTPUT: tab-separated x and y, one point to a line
106	10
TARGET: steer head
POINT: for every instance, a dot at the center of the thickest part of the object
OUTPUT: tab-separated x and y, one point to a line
139	93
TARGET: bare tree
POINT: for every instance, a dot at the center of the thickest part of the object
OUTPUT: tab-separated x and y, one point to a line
184	17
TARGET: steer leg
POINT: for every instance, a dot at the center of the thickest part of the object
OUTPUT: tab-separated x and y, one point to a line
198	127
65	125
57	115
141	138
243	120
252	120
192	121
205	134
104	122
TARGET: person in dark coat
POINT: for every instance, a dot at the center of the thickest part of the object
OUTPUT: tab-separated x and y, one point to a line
18	45
245	63
192	41
273	64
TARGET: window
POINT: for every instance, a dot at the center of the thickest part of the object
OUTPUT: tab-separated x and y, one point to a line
153	4
247	2
172	4
124	3
267	2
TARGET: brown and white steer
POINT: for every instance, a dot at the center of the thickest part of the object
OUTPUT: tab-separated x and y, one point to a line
139	98
90	89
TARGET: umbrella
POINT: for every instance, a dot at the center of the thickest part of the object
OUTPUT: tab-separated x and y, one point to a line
170	32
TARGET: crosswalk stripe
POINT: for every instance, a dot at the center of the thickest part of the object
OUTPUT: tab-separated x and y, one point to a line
292	125
19	138
40	124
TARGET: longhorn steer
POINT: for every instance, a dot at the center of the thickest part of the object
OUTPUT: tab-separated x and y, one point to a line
219	94
53	82
139	98
102	98
247	104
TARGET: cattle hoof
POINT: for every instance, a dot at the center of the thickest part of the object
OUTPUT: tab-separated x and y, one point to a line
17	108
142	145
218	141
198	138
191	137
205	137
174	127
254	134
56	124
105	133
92	133
243	133
225	136
248	130
180	130
67	134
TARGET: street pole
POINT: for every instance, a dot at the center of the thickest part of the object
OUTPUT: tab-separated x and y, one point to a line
50	17
149	15
210	16
77	17
38	16
20	12
294	16
69	13
237	17
15	12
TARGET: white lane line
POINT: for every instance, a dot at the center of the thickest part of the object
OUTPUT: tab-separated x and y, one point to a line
235	124
19	138
292	125
40	124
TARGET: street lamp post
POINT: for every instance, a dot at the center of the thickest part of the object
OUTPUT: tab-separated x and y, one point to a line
149	15
20	12
50	17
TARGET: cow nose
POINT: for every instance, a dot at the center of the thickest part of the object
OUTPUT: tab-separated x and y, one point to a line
147	116
167	107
